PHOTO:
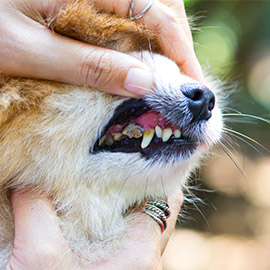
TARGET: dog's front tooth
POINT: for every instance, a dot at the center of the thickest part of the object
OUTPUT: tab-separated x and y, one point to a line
167	133
158	131
147	137
177	133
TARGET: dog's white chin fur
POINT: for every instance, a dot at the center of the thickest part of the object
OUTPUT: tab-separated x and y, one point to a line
92	191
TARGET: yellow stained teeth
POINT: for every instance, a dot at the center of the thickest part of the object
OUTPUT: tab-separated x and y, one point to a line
128	130
147	137
117	136
177	133
133	131
159	131
167	132
102	141
109	140
137	132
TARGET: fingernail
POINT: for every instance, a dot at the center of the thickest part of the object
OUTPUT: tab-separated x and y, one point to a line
139	81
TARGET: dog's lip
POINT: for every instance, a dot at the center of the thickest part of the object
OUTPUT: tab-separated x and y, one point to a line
129	109
138	112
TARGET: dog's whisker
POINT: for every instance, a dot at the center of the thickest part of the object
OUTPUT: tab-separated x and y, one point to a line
236	133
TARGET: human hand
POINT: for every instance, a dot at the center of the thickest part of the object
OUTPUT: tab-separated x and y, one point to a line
30	49
39	243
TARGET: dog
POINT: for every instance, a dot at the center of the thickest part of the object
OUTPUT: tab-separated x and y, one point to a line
98	155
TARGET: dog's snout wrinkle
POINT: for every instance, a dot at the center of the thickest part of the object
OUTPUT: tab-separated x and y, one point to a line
200	99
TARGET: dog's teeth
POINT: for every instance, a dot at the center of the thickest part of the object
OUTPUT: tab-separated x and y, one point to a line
167	133
177	133
133	131
159	131
147	137
137	132
128	130
109	140
117	136
102	141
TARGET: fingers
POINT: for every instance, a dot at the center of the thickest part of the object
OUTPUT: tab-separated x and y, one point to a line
143	233
149	231
55	57
172	37
30	49
180	13
175	201
38	243
168	19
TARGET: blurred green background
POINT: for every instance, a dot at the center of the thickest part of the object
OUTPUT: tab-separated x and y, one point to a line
230	228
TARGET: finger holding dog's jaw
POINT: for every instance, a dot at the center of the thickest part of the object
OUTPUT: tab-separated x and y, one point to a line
143	244
168	19
175	202
29	49
39	243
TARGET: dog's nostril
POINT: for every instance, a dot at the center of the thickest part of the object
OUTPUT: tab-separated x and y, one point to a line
194	94
211	103
200	99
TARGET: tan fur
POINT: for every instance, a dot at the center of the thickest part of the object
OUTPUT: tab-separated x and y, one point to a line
83	22
47	130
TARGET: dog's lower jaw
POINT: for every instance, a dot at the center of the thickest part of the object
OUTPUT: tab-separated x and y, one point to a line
100	214
101	223
95	224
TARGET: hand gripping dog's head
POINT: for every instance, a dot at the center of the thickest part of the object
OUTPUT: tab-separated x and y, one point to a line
97	154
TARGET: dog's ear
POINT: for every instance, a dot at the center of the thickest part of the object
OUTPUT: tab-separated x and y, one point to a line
81	21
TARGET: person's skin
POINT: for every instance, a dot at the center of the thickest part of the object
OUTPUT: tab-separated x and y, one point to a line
39	243
29	49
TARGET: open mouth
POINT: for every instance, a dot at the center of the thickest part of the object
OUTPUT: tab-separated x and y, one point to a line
135	127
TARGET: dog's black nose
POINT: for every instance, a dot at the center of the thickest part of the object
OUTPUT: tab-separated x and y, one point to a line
201	100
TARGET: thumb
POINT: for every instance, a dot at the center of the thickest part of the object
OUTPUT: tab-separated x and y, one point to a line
39	243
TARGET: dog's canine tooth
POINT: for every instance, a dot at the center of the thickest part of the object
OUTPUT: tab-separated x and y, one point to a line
147	137
167	133
158	131
177	133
